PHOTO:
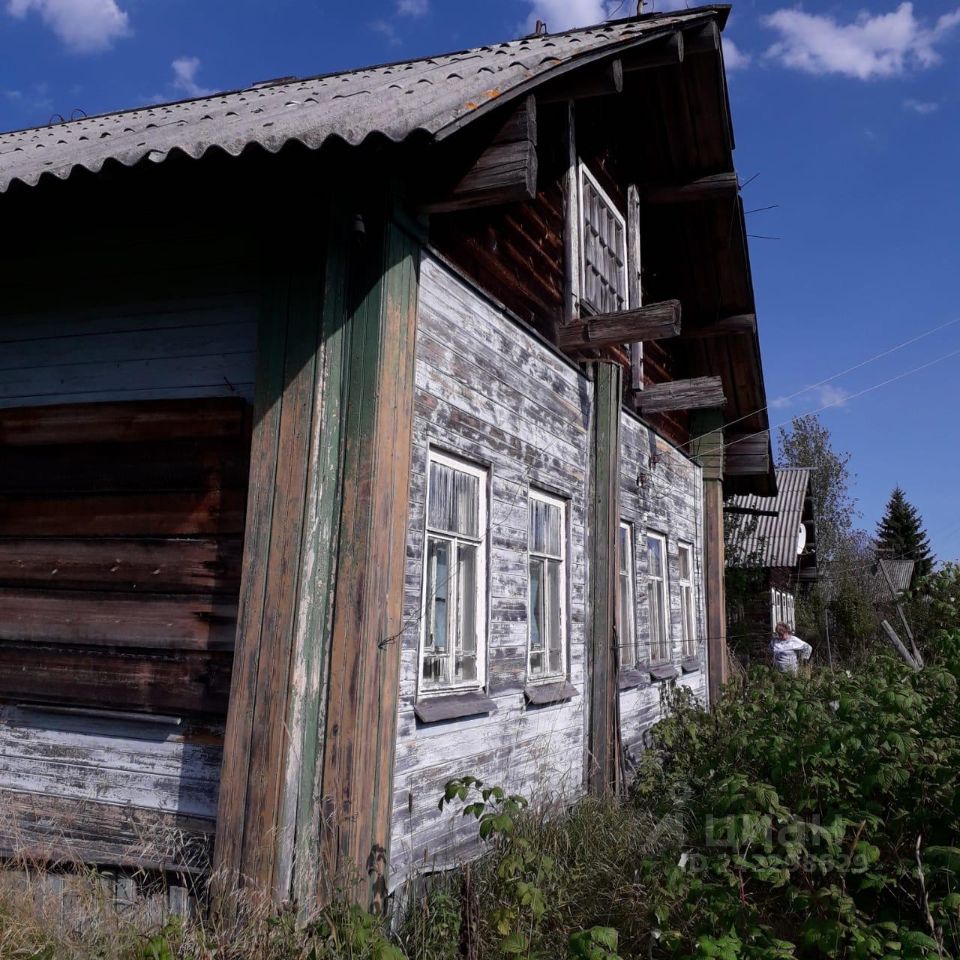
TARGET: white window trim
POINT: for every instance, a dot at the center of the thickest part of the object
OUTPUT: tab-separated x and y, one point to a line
689	641
556	501
586	174
482	475
664	582
629	656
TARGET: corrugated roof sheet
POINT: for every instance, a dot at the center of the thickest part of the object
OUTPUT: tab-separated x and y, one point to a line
900	573
771	541
435	95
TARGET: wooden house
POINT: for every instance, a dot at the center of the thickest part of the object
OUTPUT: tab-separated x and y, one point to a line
775	539
363	431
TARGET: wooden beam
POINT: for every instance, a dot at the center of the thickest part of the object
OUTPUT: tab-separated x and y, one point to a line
658	321
720	186
634	285
705	39
696	394
747	453
583	84
506	170
733	325
664	52
571	219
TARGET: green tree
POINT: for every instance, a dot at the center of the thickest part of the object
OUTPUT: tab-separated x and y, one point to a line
901	534
807	443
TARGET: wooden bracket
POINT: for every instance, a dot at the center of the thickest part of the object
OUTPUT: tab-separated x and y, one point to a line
720	186
705	39
696	394
506	170
663	52
582	84
656	321
738	323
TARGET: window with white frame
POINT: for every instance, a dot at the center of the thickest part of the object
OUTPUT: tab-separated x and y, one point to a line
627	626
546	614
603	233
687	609
657	598
454	588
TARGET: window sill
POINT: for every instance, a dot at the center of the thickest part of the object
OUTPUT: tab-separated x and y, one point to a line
452	706
664	672
630	678
691	665
540	694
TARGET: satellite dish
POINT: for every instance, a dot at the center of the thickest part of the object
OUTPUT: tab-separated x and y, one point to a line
801	539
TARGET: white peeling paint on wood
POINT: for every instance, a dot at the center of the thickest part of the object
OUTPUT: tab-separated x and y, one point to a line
195	349
491	393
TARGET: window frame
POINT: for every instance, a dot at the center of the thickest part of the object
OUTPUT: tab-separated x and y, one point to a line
482	473
549	676
585	174
664	581
629	654
689	641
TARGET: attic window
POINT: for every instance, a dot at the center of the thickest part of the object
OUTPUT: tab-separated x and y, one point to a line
603	234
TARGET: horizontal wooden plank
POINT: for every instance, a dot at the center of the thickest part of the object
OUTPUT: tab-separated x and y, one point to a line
206	565
173	682
655	321
128	422
115	619
721	186
601	81
698	393
663	52
118	515
732	325
179	465
58	830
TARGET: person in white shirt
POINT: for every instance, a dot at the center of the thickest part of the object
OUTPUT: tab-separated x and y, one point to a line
786	647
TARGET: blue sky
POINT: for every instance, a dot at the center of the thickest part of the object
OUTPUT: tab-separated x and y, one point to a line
846	117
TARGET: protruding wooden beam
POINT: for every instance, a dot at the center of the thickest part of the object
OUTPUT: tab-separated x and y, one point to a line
656	321
664	52
717	187
583	84
747	454
739	323
705	39
699	393
505	172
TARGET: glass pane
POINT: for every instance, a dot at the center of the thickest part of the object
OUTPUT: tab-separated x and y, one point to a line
454	501
555	599
657	645
536	605
684	564
467	597
624	552
685	616
545	523
626	619
438	591
654	557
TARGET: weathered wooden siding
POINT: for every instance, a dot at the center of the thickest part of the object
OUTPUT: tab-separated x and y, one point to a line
668	502
490	392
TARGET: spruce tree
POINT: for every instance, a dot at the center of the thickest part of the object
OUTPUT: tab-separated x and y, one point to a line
900	534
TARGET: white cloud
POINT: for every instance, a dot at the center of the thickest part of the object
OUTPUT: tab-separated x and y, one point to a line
84	26
386	30
824	395
412	8
830	396
566	14
185	77
733	57
923	107
882	45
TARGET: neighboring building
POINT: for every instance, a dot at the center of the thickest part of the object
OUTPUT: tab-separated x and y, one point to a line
360	432
774	539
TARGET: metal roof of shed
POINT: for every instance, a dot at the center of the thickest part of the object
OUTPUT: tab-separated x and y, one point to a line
433	95
772	540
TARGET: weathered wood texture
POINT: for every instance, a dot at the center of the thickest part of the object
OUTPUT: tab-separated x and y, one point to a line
361	713
747	453
603	525
707	448
721	186
701	392
738	323
660	493
506	170
603	81
490	392
98	790
194	349
118	556
656	321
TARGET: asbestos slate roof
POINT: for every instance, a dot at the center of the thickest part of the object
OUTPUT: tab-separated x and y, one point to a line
435	96
772	540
